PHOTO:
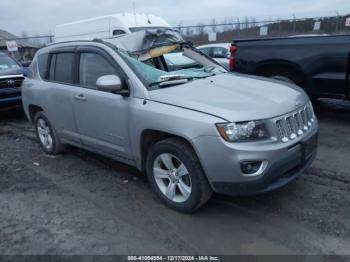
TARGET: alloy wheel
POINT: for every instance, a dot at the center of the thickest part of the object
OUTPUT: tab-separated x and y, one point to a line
44	133
172	178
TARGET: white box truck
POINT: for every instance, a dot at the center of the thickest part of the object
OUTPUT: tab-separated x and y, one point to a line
107	27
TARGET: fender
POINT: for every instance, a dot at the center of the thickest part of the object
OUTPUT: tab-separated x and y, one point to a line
276	62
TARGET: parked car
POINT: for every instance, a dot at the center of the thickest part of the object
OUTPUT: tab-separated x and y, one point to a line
219	52
11	78
193	131
176	61
109	26
319	64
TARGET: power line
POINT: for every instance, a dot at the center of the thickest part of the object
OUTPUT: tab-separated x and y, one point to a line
256	22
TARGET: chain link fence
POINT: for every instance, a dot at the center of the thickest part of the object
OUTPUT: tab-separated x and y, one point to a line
250	28
227	31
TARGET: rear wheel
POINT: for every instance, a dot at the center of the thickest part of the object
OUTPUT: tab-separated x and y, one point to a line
283	78
46	135
283	73
176	175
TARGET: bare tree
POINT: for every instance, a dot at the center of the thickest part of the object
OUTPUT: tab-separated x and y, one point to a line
214	25
238	24
188	31
230	25
179	27
200	29
226	27
246	23
24	35
252	21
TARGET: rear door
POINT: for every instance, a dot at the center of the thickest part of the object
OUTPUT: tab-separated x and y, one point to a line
329	64
101	117
62	90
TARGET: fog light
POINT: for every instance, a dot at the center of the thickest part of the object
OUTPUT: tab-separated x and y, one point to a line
253	167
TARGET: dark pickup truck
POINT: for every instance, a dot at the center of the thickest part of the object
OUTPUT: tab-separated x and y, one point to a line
11	78
319	64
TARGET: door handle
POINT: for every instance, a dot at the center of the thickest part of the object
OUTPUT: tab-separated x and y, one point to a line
80	97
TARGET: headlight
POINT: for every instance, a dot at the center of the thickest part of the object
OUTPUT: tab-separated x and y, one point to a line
244	131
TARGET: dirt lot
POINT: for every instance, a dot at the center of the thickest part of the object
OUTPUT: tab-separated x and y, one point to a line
81	203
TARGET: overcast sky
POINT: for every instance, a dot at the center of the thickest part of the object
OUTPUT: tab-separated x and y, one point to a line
40	16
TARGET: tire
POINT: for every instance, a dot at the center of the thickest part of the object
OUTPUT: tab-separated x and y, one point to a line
53	145
188	188
283	73
283	78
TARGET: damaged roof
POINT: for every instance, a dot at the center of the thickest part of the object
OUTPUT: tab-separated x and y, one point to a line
141	42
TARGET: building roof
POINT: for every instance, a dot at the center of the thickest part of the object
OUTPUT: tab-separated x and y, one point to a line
5	36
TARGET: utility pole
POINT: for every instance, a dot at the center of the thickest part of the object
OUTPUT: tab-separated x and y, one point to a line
337	24
134	7
294	23
134	10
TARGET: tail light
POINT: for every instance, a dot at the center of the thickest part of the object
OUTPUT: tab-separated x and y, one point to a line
233	50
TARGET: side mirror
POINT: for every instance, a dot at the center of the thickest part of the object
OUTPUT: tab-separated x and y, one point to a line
109	83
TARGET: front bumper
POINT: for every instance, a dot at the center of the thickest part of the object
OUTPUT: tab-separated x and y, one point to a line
221	163
10	97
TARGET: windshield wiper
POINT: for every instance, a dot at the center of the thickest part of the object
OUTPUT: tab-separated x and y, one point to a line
170	80
209	69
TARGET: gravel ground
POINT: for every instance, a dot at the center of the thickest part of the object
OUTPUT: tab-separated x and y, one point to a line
81	203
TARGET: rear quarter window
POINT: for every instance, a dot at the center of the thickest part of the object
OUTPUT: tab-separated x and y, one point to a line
43	66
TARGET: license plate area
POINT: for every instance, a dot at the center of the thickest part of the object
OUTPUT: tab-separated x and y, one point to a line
308	147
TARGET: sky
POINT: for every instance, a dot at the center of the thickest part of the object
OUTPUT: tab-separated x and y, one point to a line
39	17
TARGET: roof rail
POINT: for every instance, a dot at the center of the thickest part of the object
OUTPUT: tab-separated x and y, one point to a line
74	41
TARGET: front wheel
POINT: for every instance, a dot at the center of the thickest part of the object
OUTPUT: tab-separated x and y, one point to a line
176	175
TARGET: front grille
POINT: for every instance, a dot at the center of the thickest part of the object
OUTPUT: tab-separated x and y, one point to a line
10	82
295	124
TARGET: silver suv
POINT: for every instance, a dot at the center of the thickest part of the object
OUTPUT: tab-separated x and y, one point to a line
194	131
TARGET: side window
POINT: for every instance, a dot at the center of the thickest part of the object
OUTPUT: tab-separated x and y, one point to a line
118	32
220	52
43	66
61	68
52	67
91	67
206	50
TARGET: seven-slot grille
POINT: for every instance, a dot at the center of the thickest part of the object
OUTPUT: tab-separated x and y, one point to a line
291	126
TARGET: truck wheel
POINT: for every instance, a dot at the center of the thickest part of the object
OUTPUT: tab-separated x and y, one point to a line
46	134
283	78
176	175
283	73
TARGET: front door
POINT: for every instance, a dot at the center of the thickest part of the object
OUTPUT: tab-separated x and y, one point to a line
101	117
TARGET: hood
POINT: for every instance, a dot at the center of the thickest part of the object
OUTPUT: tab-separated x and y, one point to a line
13	71
234	97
